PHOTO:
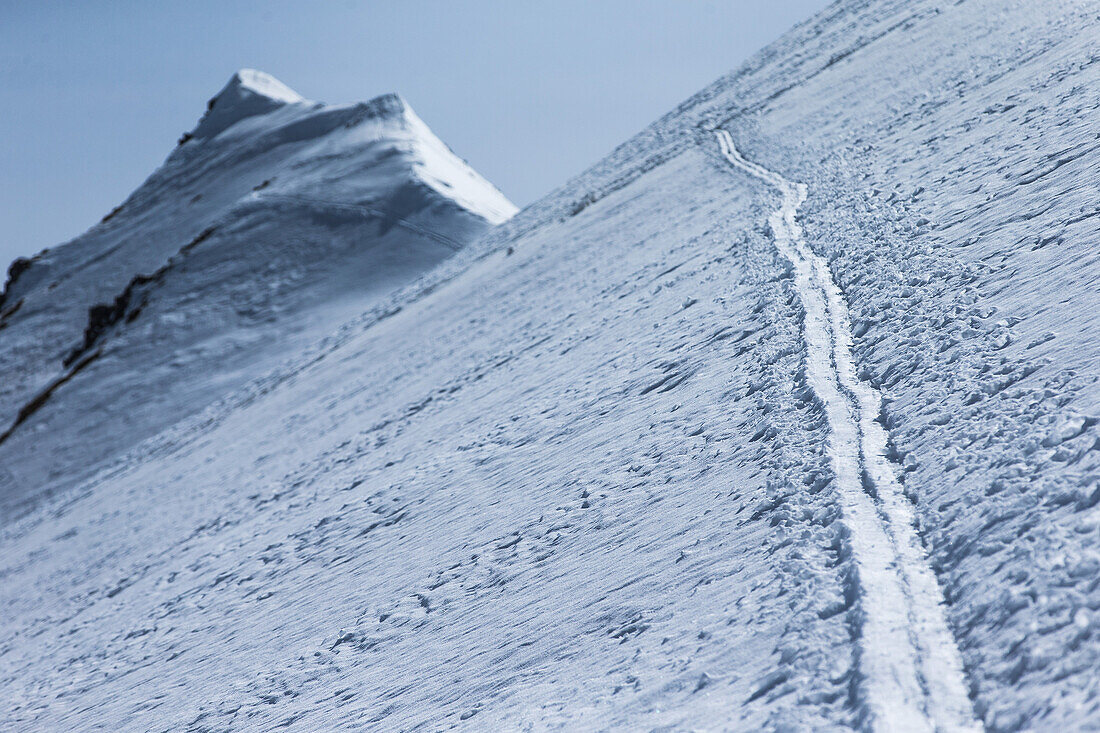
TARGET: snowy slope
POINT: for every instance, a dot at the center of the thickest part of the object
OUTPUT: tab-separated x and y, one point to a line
783	415
274	221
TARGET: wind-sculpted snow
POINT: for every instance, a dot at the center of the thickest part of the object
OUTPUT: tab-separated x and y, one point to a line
596	470
395	462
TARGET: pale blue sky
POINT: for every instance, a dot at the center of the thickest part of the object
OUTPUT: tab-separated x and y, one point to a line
93	95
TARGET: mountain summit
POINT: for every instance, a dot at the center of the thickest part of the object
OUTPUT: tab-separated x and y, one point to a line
248	93
273	222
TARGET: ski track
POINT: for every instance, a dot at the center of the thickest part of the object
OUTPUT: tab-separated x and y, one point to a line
910	671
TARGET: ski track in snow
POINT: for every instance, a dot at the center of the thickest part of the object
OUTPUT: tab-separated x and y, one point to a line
911	674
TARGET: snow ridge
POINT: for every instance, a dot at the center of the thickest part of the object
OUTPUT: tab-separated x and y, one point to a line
911	673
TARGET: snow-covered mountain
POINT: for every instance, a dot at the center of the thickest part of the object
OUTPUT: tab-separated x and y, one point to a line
274	221
781	416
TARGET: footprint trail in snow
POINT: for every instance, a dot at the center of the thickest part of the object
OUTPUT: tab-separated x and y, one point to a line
911	675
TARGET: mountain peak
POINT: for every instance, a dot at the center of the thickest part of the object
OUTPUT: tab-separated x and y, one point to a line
248	93
253	82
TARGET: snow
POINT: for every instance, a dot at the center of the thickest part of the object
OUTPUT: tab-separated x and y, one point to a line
247	94
242	249
913	677
448	175
257	82
597	469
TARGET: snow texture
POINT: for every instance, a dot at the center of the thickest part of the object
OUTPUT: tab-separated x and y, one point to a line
793	431
913	677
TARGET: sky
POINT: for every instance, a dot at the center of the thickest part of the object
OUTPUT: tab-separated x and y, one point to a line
93	95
